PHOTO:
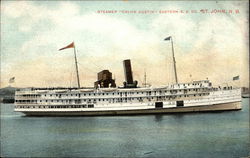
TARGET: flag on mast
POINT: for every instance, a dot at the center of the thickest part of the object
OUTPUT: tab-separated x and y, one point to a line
12	80
71	45
168	38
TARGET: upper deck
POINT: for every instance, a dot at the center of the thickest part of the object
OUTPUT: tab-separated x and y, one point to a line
179	86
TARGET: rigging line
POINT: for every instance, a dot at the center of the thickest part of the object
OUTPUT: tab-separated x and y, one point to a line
136	73
92	62
88	68
170	69
71	74
92	69
138	76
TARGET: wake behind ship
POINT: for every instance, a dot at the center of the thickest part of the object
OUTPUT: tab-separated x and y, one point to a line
105	98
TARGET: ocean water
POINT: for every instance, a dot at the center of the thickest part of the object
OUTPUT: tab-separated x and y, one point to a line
221	134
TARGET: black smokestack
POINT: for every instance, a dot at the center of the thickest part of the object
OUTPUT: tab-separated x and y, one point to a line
128	71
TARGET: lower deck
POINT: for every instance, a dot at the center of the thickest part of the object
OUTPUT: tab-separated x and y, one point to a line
155	110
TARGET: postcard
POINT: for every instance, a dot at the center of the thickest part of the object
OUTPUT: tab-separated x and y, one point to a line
172	76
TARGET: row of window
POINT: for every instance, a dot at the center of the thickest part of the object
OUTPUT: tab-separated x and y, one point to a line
186	95
125	93
109	99
188	84
30	95
28	101
57	106
94	94
119	93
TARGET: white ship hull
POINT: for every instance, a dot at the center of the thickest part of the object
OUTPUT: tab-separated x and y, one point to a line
203	108
188	97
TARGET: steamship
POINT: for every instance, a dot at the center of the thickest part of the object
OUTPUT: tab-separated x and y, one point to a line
105	98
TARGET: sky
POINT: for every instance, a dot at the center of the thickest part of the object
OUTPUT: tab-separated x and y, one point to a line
207	44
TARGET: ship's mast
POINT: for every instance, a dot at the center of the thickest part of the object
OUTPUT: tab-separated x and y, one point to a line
77	74
175	71
72	45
